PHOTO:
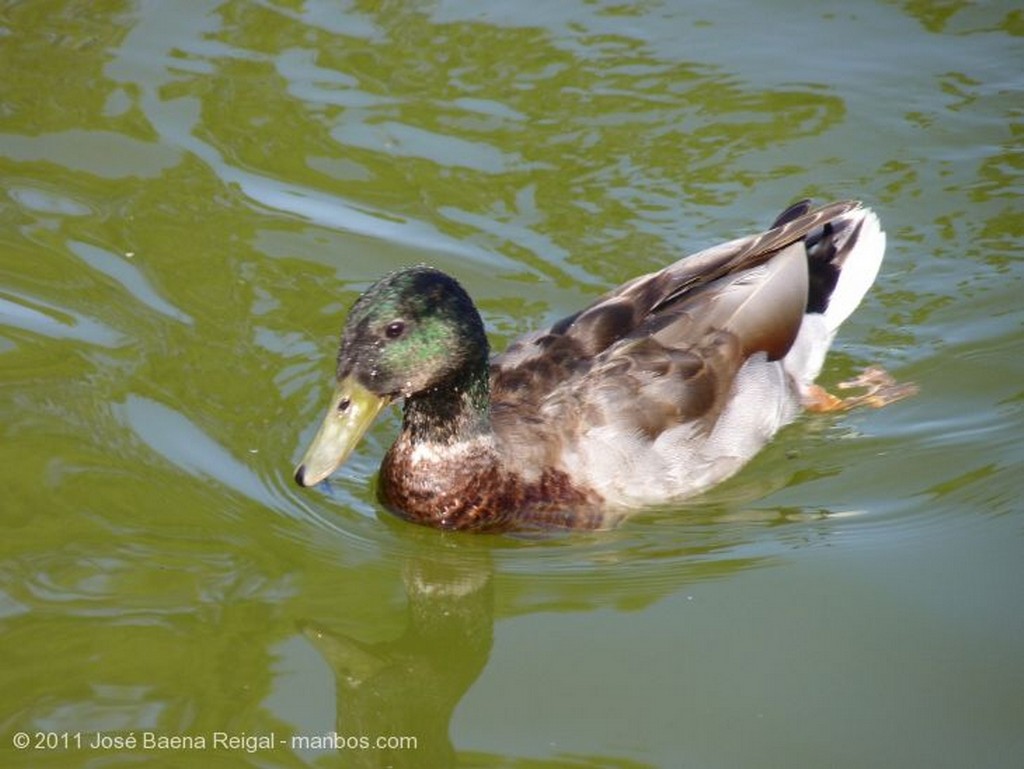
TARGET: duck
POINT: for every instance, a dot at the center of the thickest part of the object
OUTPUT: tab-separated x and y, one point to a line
655	392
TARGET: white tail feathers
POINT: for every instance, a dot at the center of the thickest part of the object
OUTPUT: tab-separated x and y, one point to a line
860	268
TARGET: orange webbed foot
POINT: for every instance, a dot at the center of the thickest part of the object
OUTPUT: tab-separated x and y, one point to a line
880	389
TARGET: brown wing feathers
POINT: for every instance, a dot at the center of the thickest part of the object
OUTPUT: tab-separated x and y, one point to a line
683	307
620	313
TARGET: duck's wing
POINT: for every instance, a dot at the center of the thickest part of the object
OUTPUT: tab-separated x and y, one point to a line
741	286
647	394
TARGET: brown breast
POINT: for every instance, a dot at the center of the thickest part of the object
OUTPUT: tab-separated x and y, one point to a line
471	491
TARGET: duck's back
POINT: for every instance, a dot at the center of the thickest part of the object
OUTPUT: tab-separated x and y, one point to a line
671	382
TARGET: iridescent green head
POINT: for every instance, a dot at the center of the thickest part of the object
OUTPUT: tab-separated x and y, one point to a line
411	330
414	334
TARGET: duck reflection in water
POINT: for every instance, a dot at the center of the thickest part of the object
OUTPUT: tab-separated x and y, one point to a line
409	687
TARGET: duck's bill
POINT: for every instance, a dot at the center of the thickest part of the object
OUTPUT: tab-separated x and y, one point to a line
349	415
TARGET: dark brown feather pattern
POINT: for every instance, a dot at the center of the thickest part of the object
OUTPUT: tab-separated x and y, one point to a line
657	346
481	495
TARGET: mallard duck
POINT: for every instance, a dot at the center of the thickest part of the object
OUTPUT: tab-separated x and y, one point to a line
658	390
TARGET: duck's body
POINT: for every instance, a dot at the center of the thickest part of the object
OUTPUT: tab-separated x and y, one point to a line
658	390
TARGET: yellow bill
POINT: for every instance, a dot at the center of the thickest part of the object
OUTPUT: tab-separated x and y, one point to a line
351	412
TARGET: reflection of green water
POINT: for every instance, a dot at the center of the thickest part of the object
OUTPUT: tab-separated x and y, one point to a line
194	196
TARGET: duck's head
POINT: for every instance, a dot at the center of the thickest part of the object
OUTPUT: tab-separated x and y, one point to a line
413	333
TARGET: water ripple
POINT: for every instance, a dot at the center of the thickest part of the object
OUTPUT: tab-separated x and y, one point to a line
40	317
127	275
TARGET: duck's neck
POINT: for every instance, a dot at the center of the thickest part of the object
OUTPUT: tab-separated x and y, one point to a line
453	411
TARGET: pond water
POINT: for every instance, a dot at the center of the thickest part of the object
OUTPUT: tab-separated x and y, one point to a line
194	194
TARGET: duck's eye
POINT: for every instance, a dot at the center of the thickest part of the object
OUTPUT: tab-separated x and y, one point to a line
395	329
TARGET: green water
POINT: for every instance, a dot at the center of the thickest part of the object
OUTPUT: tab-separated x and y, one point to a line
194	193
